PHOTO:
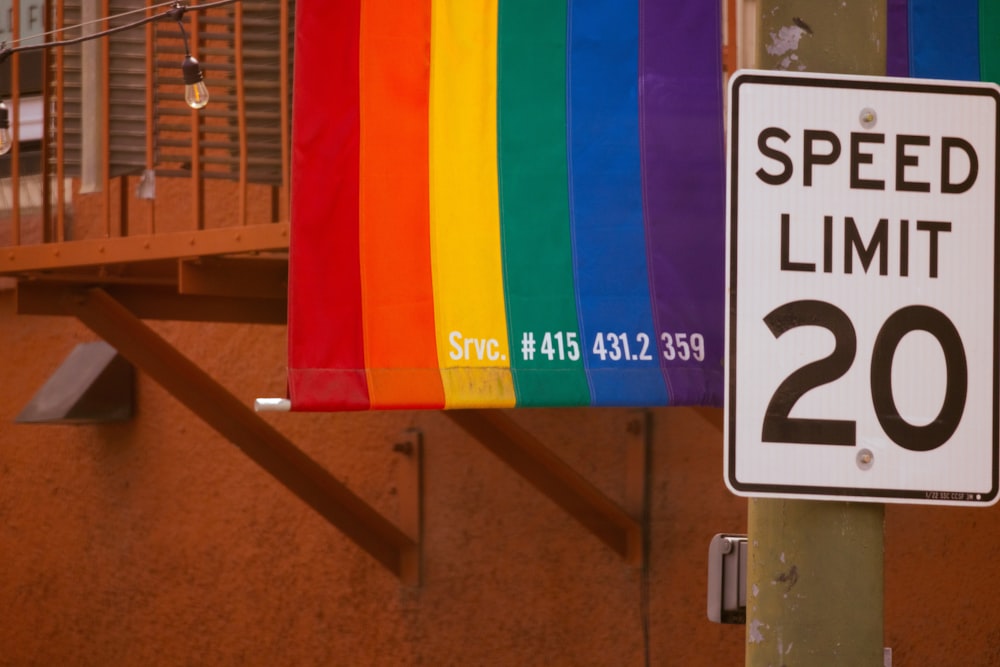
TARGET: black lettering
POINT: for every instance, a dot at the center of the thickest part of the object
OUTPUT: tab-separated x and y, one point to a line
947	143
933	228
879	241
930	436
827	244
904	248
809	157
786	264
779	425
774	154
904	160
858	158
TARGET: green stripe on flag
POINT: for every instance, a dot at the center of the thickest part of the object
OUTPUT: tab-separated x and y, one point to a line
547	355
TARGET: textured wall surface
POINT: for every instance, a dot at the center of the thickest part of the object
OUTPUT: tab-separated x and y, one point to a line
156	542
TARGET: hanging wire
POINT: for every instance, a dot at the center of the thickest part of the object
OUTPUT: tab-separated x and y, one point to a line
35	36
175	11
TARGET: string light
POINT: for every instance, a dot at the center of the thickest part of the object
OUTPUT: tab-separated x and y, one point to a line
195	91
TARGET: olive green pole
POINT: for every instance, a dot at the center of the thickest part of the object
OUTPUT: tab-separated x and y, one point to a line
815	571
814	579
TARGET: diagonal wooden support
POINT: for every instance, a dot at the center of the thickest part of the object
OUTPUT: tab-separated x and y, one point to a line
711	415
266	446
531	459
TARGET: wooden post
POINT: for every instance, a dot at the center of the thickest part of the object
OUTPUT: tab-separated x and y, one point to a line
815	571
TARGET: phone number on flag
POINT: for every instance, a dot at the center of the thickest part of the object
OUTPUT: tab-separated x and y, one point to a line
612	346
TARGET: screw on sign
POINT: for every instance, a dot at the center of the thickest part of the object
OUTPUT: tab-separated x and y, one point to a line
862	326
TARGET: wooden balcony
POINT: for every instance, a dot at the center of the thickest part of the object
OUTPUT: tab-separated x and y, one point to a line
114	182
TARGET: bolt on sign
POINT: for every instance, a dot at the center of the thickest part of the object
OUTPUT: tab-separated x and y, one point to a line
501	203
862	330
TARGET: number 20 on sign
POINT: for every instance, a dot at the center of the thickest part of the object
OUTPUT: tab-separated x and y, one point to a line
862	330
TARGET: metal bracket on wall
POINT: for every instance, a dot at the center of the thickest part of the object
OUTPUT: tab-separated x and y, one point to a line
620	528
93	385
638	469
395	547
409	445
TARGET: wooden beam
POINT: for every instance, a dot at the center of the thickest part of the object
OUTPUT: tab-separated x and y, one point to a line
531	459
155	302
172	245
246	277
240	425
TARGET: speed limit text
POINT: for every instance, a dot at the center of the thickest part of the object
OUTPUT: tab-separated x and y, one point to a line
914	245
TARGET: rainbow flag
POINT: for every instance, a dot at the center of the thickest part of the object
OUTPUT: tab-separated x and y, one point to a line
501	203
930	39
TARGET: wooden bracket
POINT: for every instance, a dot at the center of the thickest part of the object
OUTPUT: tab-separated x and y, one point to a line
620	528
713	416
398	549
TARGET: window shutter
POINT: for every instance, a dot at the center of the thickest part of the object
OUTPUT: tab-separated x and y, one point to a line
212	36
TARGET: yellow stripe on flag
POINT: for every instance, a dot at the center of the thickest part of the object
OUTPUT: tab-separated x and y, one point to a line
470	318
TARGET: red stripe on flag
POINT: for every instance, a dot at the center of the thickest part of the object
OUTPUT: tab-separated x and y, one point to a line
324	323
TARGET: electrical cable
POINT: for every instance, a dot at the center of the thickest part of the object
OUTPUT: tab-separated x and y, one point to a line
176	10
195	93
80	26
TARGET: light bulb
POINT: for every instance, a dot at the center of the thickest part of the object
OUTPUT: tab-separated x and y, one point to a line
6	140
196	95
195	91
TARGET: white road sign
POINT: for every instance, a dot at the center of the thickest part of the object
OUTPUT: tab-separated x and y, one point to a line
862	329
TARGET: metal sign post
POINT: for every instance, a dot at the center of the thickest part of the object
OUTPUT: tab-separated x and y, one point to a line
815	578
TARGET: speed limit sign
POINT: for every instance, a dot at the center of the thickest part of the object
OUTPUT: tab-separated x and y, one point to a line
862	329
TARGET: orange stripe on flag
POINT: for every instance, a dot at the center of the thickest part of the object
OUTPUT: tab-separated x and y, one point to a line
398	299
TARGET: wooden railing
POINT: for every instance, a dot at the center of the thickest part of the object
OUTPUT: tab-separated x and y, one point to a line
71	205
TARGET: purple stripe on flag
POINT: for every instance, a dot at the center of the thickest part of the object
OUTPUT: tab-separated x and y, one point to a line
897	56
684	191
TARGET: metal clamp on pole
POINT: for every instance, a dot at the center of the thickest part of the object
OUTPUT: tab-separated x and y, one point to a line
727	579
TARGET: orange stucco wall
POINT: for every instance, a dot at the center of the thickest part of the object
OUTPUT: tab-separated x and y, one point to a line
156	542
